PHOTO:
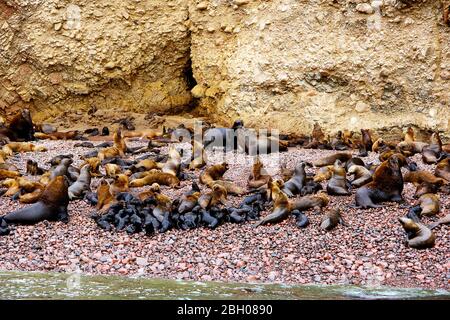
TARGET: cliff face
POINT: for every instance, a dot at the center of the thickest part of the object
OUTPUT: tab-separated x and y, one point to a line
77	56
275	63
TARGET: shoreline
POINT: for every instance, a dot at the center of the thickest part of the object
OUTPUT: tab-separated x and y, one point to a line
370	251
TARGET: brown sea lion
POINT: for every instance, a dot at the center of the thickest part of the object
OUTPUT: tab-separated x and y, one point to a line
52	205
361	174
294	185
285	172
430	204
19	128
338	184
112	169
317	201
409	135
218	195
188	202
146	165
330	160
120	184
230	186
366	139
31	197
323	174
172	164
94	164
12	147
110	152
331	220
213	173
443	169
104	196
154	176
199	158
281	208
387	185
4	174
419	236
425	188
432	152
420	176
68	135
82	185
258	177
150	193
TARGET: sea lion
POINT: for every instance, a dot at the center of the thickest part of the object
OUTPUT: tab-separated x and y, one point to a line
301	220
51	206
4	174
409	135
386	185
94	164
443	169
331	220
120	184
217	196
33	168
419	236
330	160
44	128
411	148
444	220
61	169
338	184
172	165
430	204
317	201
222	137
420	176
317	137
361	174
149	193
294	185
112	169
198	158
104	196
12	147
432	152
154	176
425	188
19	128
281	208
285	172
230	186
31	197
82	185
323	174
110	152
67	135
366	139
4	228
213	173
257	177
145	165
188	202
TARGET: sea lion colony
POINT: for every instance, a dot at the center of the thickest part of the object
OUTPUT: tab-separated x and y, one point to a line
119	207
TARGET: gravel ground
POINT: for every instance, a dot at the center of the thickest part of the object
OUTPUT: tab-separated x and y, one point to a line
370	251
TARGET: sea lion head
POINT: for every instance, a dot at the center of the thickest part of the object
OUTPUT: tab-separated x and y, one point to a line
56	192
408	224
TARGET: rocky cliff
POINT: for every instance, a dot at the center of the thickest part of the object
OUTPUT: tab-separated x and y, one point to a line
381	64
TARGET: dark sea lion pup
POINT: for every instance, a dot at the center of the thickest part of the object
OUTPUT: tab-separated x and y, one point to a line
387	185
51	206
331	220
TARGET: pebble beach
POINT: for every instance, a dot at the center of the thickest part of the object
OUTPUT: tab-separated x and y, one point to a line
369	251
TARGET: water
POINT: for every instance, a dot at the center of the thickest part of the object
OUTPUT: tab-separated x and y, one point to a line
33	285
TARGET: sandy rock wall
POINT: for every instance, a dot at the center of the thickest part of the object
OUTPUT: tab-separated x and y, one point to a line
345	64
381	64
88	55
